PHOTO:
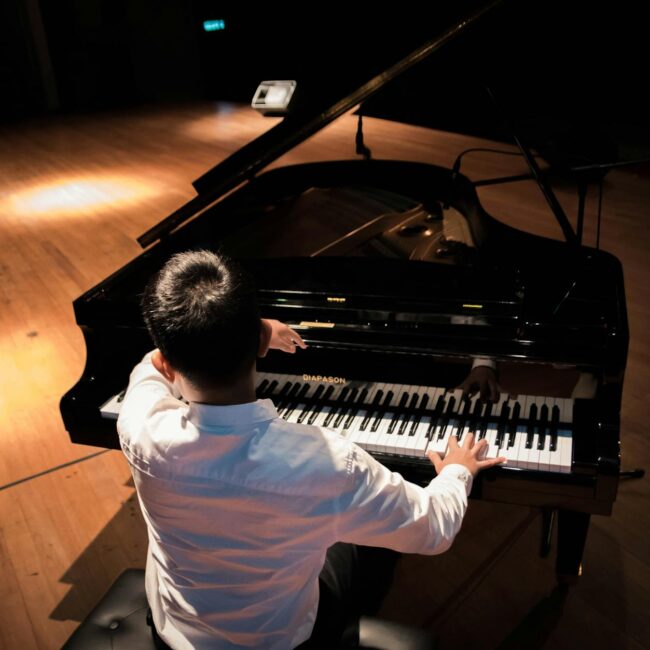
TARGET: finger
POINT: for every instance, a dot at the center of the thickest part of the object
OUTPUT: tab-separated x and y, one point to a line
494	391
436	460
297	339
481	443
453	442
468	443
480	449
287	346
491	462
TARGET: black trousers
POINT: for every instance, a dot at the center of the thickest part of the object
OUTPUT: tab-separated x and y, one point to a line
352	582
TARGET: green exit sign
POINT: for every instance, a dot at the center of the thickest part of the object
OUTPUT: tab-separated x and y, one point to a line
214	25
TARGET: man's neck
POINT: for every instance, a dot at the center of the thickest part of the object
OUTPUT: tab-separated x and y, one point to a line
238	392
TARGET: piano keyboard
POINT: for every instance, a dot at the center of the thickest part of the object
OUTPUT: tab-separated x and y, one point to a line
531	432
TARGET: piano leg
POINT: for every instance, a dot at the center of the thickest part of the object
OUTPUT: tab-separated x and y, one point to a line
548	521
572	530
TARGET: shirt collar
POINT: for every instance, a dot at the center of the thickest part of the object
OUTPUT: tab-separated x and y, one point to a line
238	415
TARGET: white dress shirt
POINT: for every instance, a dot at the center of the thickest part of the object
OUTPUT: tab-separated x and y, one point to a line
488	362
241	507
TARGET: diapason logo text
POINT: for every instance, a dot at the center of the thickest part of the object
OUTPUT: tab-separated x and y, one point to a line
324	379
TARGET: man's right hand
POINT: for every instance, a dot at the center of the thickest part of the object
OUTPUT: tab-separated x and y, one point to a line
467	454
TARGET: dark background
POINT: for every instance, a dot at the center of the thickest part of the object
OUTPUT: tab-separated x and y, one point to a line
572	73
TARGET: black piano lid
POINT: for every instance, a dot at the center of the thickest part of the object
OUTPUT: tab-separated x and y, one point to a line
571	300
566	62
311	117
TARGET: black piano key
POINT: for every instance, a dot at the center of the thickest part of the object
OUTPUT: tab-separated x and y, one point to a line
279	399
261	388
268	391
294	402
405	420
436	417
555	423
482	432
502	423
356	408
542	427
351	398
290	399
402	403
386	403
514	424
446	418
285	389
319	407
464	418
375	403
476	415
315	396
530	428
415	423
341	400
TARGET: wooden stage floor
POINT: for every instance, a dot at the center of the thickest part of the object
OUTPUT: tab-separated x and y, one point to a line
75	192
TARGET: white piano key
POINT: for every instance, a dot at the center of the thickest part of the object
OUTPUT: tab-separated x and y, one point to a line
384	442
566	410
544	463
394	442
495	416
522	433
353	431
321	418
295	413
374	441
511	452
370	437
419	440
491	437
362	438
437	443
565	445
110	409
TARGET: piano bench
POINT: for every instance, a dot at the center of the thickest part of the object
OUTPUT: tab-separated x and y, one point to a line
119	622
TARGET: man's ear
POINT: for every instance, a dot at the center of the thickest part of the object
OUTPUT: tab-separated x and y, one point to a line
265	338
162	365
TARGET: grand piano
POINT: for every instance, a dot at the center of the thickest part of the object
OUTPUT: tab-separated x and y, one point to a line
396	278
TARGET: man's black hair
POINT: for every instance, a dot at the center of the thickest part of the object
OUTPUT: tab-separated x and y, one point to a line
202	313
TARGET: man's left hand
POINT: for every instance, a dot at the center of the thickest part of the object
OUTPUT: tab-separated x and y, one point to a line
282	337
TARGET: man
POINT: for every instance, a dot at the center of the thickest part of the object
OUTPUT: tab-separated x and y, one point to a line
241	506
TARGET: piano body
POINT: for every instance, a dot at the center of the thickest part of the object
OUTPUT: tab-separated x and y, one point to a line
396	278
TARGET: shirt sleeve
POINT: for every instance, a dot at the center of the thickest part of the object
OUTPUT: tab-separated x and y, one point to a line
147	388
383	509
484	361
